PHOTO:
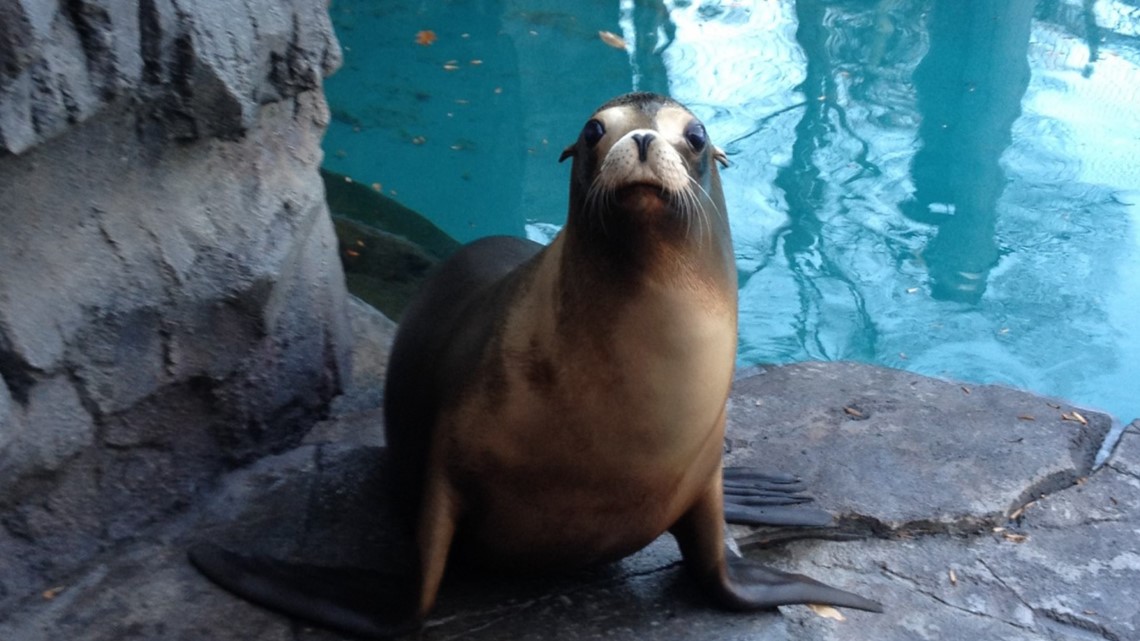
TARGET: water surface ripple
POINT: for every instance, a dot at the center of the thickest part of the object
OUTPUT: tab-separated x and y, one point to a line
945	186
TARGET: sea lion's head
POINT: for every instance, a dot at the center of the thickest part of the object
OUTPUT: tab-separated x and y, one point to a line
644	166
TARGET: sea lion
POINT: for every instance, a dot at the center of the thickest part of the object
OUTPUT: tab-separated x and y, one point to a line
562	406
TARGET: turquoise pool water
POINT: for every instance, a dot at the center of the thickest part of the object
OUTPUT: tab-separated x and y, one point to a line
946	186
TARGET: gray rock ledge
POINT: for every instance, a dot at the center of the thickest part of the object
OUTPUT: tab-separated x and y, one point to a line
971	512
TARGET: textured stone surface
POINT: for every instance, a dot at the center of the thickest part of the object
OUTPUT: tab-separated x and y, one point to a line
1064	567
202	68
171	301
859	436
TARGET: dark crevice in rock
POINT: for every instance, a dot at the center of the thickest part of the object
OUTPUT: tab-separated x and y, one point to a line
855	527
17	374
72	111
501	613
333	372
996	577
1051	614
96	34
288	73
116	248
42	115
1052	483
15	41
1120	470
961	527
1073	621
182	81
150	42
917	587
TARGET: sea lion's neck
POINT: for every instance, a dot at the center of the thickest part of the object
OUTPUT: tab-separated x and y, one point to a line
624	253
600	282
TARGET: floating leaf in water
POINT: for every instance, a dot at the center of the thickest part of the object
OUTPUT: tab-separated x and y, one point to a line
52	593
352	253
451	65
419	140
612	39
377	187
851	411
911	290
476	62
827	612
426	37
1025	417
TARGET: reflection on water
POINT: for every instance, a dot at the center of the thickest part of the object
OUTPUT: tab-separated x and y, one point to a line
947	186
969	87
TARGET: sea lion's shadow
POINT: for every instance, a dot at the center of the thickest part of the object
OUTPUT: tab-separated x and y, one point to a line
337	506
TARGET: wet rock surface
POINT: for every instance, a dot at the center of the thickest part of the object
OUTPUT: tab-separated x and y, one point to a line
969	520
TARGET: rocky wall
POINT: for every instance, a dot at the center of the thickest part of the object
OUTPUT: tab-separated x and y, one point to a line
171	301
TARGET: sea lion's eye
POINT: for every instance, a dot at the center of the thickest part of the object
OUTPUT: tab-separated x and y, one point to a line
695	134
593	132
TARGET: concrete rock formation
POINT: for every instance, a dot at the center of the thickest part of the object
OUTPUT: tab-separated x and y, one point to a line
170	292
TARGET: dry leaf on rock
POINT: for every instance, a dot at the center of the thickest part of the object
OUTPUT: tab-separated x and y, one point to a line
1075	417
826	611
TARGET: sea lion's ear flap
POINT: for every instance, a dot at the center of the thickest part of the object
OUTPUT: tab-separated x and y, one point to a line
567	152
719	156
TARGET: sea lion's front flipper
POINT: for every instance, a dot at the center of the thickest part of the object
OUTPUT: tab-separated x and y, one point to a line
752	497
749	585
359	602
742	584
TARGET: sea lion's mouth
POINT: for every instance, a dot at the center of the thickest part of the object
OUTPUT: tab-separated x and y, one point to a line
643	196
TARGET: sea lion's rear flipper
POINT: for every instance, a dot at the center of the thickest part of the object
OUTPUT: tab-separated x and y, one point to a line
359	602
752	497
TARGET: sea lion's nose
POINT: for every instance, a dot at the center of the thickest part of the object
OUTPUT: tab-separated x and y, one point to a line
642	141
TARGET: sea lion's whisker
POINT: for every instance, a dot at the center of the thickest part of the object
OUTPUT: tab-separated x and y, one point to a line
597	204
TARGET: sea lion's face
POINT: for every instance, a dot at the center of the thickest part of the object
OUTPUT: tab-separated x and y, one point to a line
647	157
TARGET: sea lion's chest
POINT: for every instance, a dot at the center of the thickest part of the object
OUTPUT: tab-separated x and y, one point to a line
587	447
